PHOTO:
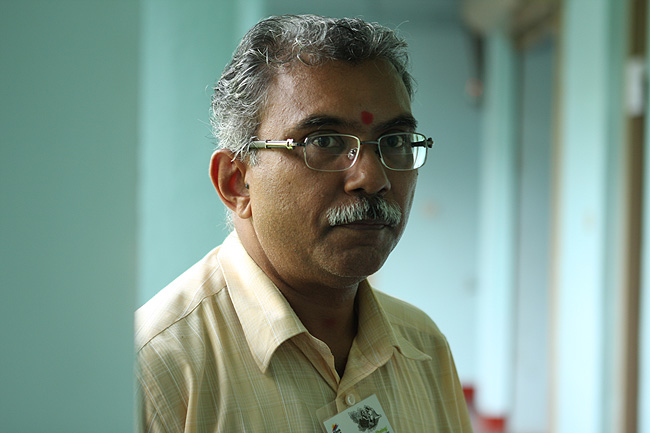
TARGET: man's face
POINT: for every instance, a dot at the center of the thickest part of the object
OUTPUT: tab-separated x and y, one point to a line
290	201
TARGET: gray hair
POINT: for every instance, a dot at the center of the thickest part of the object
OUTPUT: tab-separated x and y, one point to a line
240	94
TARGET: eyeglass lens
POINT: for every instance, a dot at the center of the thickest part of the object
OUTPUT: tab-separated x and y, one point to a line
336	152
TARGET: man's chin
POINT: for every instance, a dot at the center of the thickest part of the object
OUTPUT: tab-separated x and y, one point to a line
350	257
357	268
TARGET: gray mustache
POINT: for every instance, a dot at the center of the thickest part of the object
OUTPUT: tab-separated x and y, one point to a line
366	208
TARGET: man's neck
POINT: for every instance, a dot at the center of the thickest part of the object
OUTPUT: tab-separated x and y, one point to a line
328	311
334	322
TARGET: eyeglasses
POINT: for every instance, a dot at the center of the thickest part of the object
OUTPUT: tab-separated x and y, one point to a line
400	151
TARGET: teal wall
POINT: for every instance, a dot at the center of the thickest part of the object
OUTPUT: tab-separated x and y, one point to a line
68	139
497	227
184	48
434	265
589	219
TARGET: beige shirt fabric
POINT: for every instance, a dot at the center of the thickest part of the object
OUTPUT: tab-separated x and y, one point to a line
221	350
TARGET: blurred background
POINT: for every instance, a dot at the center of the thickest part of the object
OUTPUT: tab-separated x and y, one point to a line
528	242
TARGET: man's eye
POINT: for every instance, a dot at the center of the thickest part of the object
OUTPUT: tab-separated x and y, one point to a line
326	142
394	141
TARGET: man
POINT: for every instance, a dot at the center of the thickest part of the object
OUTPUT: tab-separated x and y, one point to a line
278	329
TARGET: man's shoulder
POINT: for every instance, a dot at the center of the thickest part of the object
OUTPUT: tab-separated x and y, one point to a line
172	306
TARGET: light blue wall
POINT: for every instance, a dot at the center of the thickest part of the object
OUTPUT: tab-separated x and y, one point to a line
68	140
497	228
184	48
434	265
587	333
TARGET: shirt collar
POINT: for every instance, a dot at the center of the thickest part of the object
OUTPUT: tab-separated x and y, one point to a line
377	337
268	320
266	317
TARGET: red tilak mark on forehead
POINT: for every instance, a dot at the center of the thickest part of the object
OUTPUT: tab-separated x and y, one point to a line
366	117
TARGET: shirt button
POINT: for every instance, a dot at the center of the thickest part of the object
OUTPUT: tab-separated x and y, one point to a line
350	400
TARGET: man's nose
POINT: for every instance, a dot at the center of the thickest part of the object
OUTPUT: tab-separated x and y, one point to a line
368	174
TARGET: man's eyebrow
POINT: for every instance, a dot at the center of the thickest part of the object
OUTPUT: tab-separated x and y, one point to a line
405	121
320	120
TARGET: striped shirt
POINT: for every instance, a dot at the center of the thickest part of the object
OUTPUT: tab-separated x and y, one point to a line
221	350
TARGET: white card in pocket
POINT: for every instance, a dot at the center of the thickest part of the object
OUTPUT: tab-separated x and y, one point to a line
367	416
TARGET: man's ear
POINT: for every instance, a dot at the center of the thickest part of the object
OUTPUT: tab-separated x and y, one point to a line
228	178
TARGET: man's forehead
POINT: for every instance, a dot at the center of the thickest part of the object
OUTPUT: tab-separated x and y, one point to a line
301	69
368	95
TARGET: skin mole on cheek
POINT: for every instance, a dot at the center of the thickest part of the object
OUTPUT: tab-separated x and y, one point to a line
366	117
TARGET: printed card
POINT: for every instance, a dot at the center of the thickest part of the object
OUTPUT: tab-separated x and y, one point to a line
367	416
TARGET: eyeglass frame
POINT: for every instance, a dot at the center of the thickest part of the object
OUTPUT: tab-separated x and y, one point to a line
291	144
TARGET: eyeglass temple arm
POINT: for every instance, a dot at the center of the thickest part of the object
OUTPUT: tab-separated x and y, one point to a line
270	144
428	143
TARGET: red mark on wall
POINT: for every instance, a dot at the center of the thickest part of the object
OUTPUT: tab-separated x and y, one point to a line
366	117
